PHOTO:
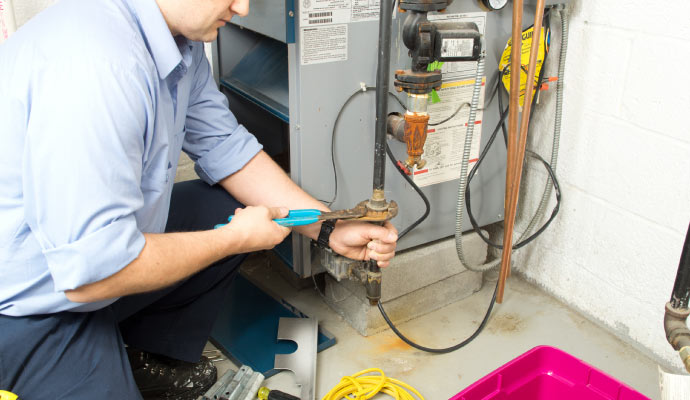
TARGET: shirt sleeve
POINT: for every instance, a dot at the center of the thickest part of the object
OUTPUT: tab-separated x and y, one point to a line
82	167
214	140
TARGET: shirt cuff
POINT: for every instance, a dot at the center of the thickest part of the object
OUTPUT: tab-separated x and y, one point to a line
95	256
228	157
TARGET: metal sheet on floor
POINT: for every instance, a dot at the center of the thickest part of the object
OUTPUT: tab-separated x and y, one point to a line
247	325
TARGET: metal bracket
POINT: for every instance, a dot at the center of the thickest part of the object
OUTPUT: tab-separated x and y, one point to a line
304	332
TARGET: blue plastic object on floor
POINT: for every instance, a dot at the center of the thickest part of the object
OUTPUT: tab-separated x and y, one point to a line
247	326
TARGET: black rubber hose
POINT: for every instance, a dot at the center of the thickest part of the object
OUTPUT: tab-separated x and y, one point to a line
416	188
447	349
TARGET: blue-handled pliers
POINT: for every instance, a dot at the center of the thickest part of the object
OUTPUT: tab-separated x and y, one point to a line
310	216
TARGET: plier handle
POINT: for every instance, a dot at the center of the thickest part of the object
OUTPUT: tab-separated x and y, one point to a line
297	218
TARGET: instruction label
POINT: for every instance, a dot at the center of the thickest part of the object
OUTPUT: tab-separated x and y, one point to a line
322	44
327	43
457	47
365	10
445	142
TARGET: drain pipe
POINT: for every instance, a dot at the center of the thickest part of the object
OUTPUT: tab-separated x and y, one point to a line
378	196
677	312
7	22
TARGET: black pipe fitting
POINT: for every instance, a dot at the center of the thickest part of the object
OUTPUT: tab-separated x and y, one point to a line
373	283
677	332
677	312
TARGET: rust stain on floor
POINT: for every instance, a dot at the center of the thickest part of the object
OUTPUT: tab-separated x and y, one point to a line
388	344
506	323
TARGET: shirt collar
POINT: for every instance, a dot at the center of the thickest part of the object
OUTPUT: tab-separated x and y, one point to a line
167	52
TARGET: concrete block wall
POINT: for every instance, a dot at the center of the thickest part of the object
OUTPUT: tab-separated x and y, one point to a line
624	168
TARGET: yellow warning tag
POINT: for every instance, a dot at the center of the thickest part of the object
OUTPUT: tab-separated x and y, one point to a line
524	59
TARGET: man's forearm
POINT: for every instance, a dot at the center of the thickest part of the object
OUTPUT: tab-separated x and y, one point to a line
166	258
263	182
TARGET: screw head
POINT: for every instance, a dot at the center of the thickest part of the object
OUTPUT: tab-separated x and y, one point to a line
291	14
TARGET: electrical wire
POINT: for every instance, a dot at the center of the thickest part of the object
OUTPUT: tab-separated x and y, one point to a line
552	181
362	89
427	204
457	110
447	349
363	387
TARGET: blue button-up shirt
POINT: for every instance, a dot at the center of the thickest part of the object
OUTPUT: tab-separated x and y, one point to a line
97	99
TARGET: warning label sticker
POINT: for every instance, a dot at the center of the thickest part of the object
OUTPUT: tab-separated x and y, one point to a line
525	52
445	142
322	44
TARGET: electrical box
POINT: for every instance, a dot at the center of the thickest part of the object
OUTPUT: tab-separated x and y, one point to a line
290	66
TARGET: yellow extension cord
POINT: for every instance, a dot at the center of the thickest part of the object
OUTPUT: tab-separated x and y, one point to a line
366	387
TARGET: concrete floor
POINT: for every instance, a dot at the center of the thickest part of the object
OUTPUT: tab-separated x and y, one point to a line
527	318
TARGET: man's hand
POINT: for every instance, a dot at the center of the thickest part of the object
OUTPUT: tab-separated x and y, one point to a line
365	241
255	228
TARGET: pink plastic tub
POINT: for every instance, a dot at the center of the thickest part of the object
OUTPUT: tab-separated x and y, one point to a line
548	373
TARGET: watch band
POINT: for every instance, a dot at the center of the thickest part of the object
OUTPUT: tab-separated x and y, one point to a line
325	233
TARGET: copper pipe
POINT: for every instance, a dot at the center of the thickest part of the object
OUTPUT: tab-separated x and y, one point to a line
516	175
513	114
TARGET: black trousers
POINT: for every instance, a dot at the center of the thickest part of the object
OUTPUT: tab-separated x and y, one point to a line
82	355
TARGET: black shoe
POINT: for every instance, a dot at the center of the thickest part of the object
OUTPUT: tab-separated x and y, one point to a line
160	377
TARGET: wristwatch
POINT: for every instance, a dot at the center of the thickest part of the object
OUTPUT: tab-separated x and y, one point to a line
325	233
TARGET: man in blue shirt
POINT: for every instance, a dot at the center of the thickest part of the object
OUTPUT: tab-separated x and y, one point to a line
98	248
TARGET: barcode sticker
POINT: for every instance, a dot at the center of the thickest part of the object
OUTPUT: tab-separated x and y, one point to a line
321	14
320	21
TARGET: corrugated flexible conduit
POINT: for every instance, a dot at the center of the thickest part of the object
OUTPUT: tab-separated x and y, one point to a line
557	122
468	146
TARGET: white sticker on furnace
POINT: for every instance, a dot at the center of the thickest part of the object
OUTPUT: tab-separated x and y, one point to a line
323	44
457	47
323	12
445	142
365	10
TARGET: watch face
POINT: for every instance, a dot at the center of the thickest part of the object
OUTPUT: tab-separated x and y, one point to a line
495	4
